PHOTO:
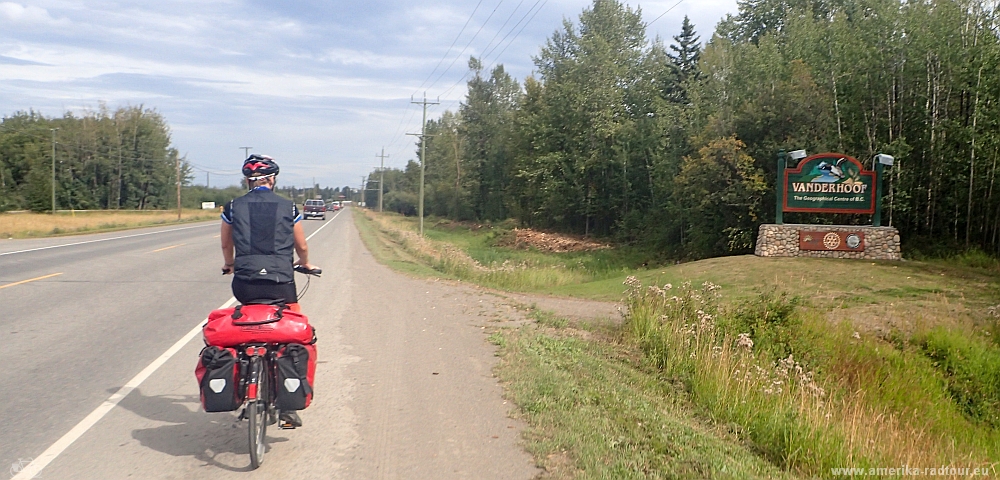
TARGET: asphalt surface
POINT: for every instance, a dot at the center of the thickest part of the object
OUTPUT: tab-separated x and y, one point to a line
403	388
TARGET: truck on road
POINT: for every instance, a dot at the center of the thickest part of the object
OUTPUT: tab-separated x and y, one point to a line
314	208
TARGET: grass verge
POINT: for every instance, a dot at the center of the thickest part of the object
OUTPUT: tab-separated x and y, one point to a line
34	225
595	414
809	364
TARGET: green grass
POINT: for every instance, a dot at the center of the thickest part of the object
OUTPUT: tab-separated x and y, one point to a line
595	414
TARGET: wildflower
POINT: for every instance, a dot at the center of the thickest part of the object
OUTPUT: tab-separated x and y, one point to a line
856	336
744	341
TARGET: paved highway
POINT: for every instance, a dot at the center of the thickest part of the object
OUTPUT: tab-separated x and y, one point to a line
404	388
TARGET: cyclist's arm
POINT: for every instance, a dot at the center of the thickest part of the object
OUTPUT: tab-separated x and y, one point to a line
301	248
228	248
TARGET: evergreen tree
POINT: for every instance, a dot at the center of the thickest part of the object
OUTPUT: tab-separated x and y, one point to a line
687	51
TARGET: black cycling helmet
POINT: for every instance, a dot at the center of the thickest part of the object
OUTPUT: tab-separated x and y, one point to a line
259	166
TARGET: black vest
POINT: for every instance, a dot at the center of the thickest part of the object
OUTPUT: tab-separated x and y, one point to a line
263	234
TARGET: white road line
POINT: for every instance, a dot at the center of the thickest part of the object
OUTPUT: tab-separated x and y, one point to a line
35	467
324	226
103	240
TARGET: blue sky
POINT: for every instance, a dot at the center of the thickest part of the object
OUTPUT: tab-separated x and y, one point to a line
322	86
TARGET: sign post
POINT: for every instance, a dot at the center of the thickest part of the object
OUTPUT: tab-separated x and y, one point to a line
778	197
877	218
881	160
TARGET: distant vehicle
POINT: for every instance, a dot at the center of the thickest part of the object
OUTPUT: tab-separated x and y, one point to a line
334	206
314	208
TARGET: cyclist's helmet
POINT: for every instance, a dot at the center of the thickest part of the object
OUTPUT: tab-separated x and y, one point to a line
259	166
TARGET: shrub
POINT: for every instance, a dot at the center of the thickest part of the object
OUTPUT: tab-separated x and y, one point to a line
769	319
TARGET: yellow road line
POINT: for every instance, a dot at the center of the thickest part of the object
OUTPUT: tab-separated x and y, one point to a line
217	236
168	248
30	280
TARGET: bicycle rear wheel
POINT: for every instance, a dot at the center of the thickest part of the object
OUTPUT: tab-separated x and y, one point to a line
257	414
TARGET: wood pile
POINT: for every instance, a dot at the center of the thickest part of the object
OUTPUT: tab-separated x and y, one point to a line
553	242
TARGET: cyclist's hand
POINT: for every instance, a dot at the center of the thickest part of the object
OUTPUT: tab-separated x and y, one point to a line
307	265
227	269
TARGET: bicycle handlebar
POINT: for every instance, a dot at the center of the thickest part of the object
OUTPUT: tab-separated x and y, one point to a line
303	269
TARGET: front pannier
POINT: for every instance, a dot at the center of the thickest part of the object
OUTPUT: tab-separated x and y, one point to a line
229	327
218	378
296	369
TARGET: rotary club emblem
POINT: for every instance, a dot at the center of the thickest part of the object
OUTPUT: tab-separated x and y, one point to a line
831	241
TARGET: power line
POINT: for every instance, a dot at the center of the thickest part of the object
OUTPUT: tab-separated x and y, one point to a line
533	12
467	45
407	114
446	52
487	53
505	22
664	13
497	57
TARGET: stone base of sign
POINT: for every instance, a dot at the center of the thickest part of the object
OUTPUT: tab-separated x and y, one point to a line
880	243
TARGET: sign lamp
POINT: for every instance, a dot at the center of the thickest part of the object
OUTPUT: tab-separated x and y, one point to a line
885	159
797	154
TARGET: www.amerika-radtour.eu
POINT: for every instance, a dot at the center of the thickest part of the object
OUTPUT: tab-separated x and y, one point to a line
942	471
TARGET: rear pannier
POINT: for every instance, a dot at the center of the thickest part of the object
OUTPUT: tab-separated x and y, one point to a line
229	327
218	373
296	368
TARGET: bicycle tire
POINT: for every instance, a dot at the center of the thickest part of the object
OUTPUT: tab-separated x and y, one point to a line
257	415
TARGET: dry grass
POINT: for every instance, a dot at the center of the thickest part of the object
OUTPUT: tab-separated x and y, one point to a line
31	225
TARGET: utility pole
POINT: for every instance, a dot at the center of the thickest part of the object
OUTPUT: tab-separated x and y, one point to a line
178	188
381	177
53	169
207	179
361	192
246	154
423	155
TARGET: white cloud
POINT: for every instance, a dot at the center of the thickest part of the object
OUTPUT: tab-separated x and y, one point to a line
30	15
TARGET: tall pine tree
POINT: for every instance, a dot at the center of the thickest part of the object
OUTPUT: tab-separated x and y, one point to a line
687	51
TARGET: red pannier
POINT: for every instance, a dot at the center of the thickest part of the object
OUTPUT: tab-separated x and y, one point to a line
229	327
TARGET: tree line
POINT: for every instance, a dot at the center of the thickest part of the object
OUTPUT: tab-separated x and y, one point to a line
674	146
103	159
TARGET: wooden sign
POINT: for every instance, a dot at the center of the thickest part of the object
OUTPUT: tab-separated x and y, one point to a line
832	241
829	183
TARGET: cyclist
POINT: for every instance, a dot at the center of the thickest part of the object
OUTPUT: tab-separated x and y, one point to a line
259	232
